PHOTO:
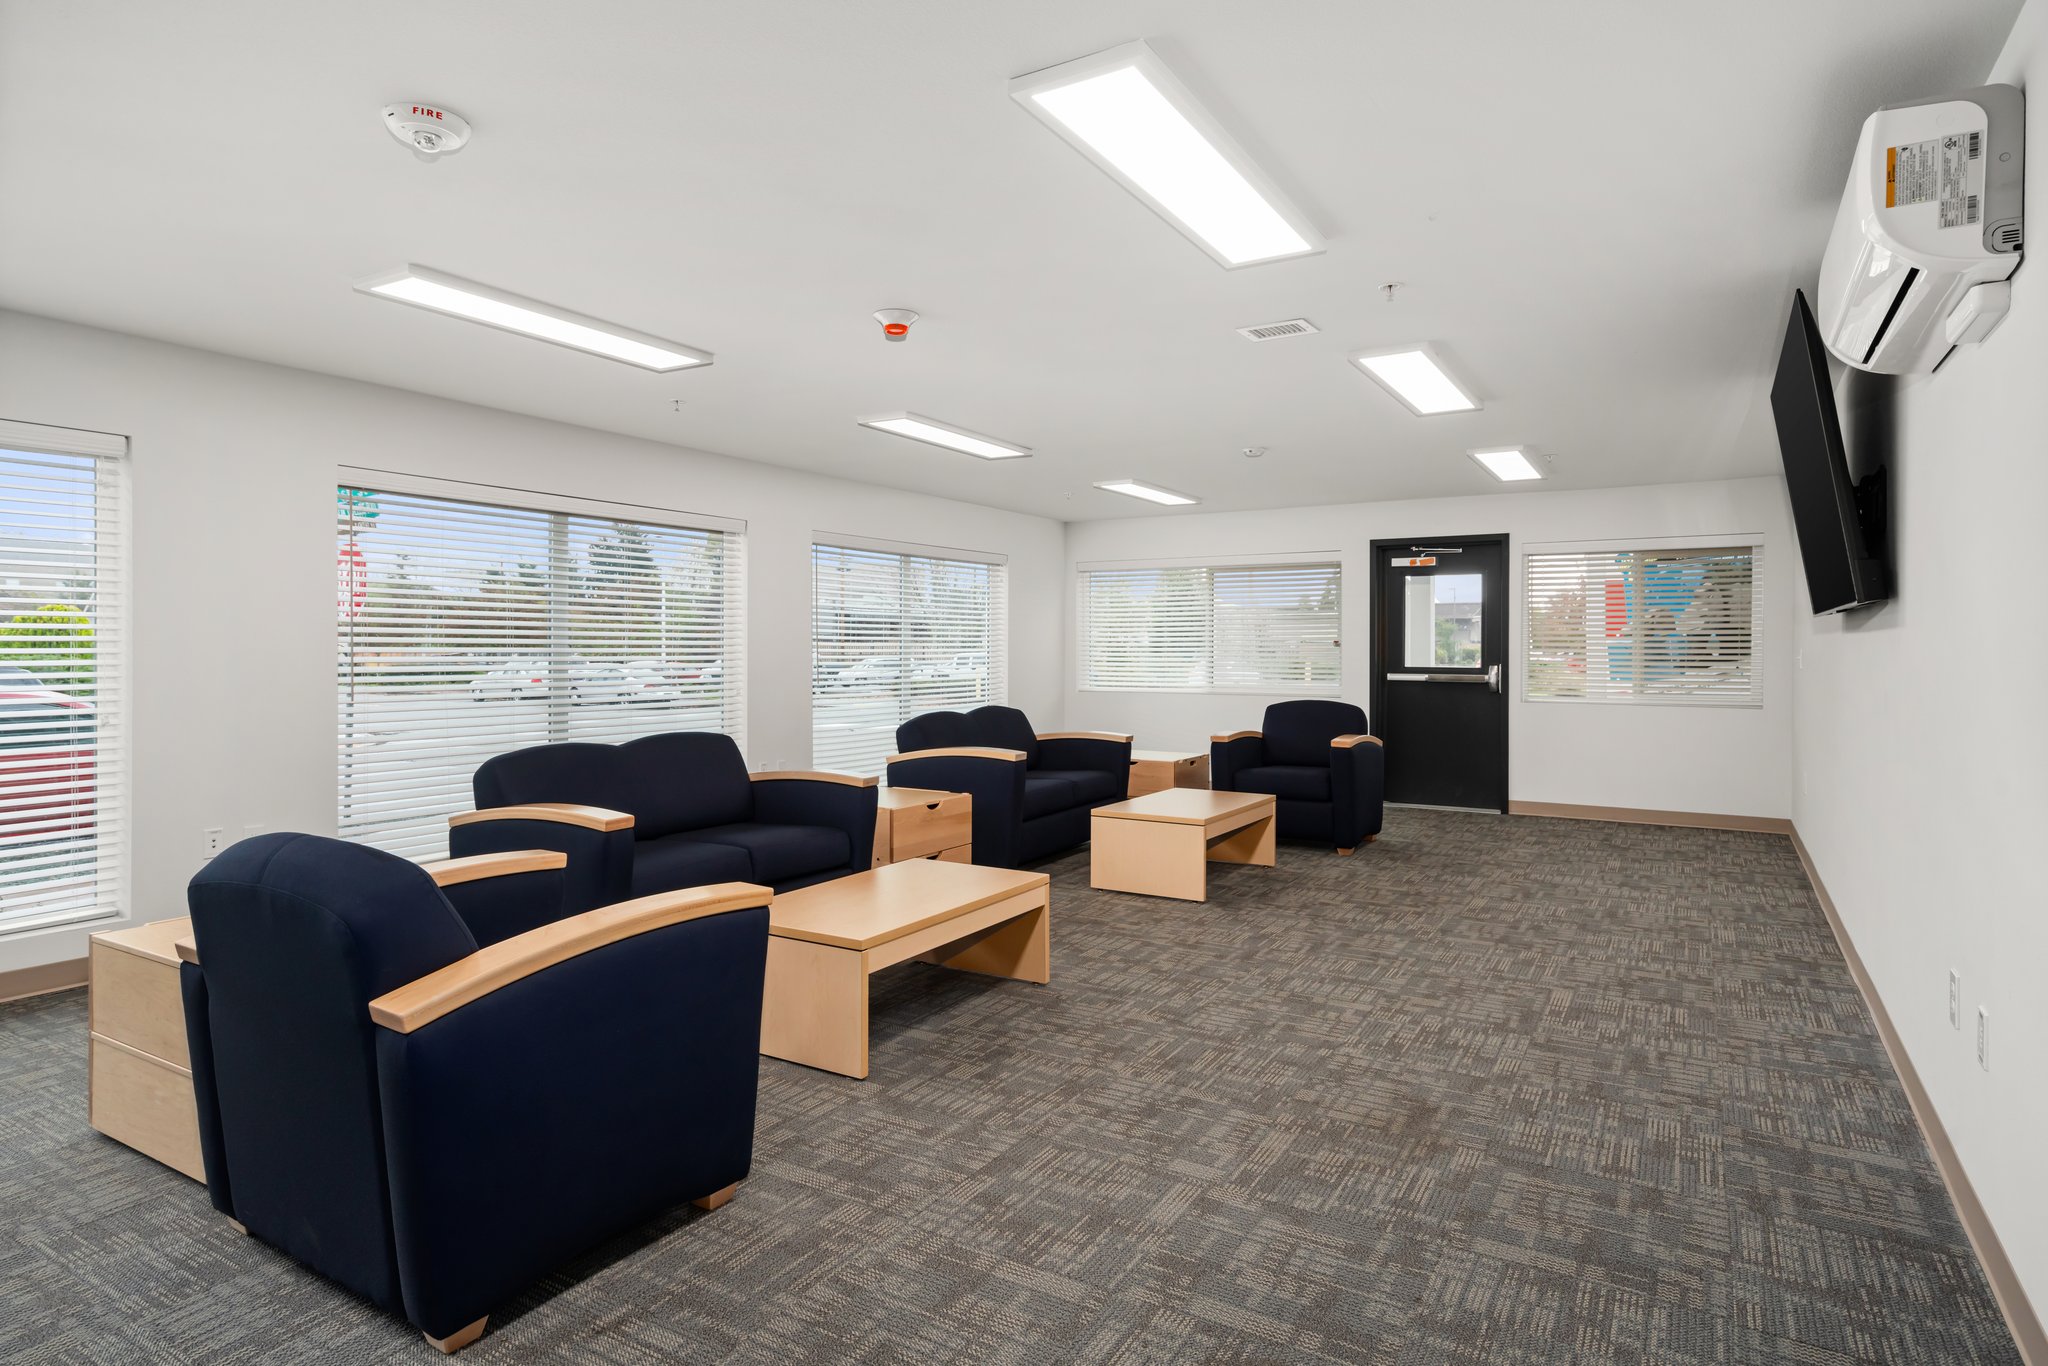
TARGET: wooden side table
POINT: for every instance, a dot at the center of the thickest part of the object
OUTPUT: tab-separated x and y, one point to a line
1155	770
139	1070
922	823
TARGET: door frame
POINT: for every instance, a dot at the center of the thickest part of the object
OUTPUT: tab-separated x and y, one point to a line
1377	606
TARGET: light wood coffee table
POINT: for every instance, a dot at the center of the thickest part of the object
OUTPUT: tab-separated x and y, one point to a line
825	940
1162	844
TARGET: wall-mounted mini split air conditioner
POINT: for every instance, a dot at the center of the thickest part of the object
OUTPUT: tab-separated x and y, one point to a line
1928	232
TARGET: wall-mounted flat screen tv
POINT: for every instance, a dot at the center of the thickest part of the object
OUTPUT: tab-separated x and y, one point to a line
1841	572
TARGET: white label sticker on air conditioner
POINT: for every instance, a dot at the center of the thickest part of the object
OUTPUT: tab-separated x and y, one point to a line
1962	181
1909	173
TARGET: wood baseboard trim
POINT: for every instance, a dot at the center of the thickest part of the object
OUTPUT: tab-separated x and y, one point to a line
1636	815
2020	1318
45	978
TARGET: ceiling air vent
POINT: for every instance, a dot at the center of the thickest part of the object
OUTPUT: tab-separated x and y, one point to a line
1293	327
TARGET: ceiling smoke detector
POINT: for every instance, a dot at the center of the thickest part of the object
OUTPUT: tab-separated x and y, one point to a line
1293	327
431	132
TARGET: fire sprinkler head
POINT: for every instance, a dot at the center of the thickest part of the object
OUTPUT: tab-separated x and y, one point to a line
895	322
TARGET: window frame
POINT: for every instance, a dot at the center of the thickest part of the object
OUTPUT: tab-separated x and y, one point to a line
734	621
112	667
1331	560
1759	555
998	645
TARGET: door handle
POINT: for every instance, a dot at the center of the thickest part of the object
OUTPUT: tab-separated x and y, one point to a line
1493	677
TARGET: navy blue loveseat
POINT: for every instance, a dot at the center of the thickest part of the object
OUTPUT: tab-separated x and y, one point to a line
1032	793
668	811
1314	756
435	1125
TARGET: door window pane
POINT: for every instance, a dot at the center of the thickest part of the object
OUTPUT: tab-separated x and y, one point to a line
1443	621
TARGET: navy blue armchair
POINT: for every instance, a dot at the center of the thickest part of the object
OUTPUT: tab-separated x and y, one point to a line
1032	793
668	811
434	1125
1315	757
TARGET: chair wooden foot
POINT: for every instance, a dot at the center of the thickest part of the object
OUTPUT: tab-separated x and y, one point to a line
1345	852
237	1226
717	1199
1370	838
458	1339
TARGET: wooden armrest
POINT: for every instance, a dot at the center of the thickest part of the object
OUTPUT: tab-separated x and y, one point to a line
783	775
1236	735
1347	741
426	1000
187	949
1083	735
961	752
566	813
448	872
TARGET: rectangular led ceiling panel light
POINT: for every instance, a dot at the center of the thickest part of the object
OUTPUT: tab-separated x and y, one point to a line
944	434
1509	464
1126	111
1416	376
1151	493
459	298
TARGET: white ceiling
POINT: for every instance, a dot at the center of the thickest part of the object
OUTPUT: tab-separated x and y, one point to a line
1598	211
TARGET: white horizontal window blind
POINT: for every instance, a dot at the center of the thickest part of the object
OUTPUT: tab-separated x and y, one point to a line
894	635
1668	626
467	629
1203	628
63	768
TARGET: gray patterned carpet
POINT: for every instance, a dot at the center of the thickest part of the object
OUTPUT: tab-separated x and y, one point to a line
1498	1090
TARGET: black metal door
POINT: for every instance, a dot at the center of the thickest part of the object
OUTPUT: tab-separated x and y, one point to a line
1439	669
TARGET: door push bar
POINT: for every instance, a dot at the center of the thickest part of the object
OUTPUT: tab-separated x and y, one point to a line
1491	678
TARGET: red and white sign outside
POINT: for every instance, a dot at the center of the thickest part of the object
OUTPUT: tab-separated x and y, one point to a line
351	580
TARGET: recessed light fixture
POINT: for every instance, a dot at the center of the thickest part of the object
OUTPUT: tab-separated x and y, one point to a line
1509	464
1151	493
1126	111
459	298
944	434
1418	377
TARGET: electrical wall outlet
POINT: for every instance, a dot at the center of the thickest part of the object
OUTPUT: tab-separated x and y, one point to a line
1955	999
1984	1037
254	828
210	841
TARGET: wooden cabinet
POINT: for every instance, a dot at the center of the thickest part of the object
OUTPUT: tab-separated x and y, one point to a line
1156	770
140	1086
916	822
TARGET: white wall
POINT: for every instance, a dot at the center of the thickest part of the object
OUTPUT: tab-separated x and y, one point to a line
233	656
1728	761
1921	777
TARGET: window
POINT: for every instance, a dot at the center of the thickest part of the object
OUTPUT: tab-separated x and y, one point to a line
1201	628
1677	626
63	771
466	629
896	633
1445	615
